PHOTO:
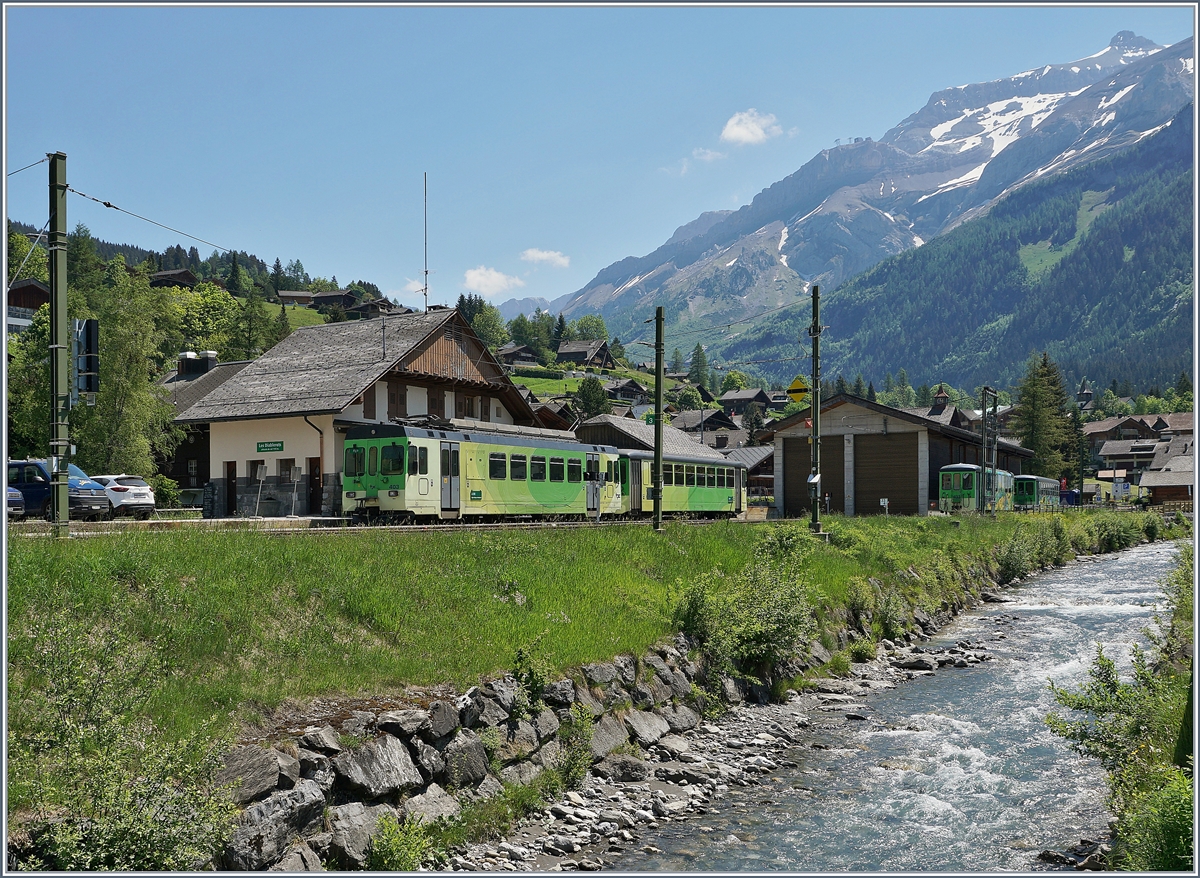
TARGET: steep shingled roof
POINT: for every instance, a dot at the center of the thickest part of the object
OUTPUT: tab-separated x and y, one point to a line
317	369
639	434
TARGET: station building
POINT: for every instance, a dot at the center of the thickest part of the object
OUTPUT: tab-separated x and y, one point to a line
284	416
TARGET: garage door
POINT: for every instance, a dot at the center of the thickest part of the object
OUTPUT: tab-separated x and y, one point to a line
797	464
886	466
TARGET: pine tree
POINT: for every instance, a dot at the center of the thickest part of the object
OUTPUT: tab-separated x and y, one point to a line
860	387
698	373
237	279
591	398
841	385
677	363
1040	418
871	391
278	278
560	333
752	422
282	328
1183	385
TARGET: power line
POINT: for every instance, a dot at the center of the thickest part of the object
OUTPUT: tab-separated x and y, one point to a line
725	325
32	247
112	206
27	167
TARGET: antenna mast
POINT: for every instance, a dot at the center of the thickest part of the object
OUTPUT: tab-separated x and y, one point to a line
425	289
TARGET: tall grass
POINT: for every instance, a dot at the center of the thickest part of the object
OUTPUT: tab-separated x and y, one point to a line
251	619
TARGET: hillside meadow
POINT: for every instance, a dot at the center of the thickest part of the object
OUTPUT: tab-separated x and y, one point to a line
246	620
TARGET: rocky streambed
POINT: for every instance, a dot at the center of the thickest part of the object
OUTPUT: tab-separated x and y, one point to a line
312	799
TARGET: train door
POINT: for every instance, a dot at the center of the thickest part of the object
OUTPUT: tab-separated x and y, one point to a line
739	481
635	483
450	480
591	482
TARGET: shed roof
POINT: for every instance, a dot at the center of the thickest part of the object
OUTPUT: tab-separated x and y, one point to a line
317	369
751	455
638	434
1180	470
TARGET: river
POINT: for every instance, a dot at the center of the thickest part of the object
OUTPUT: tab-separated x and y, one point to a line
952	772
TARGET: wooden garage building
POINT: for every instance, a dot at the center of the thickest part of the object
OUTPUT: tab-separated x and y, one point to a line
871	451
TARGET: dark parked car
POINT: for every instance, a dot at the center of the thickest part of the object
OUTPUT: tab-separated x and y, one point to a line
86	499
16	503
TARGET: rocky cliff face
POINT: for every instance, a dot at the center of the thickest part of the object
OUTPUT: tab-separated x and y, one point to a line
850	207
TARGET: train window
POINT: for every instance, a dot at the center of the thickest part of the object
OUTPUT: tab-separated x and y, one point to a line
608	471
712	476
454	461
356	459
689	475
392	463
423	460
372	460
516	469
968	483
412	461
445	461
624	473
946	481
668	475
574	469
679	473
556	469
537	469
497	466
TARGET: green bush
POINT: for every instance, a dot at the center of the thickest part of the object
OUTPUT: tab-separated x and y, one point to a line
531	669
533	372
838	664
891	614
398	846
106	789
575	736
862	650
1014	558
1157	833
860	597
166	491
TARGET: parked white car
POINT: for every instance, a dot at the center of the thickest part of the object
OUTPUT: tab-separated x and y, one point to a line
128	495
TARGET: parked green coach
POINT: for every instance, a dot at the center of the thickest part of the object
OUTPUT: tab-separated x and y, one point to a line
399	472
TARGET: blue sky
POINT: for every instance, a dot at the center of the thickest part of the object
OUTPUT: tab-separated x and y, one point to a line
557	140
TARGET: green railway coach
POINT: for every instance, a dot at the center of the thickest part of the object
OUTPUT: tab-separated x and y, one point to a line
1035	493
966	487
405	472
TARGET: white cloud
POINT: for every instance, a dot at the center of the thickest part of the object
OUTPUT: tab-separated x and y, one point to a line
489	281
750	126
551	256
706	155
413	286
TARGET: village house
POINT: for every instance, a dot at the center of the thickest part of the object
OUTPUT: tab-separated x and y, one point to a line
593	353
25	296
735	402
871	452
284	416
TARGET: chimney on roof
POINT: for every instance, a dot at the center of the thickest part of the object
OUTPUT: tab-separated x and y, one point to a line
208	361
189	363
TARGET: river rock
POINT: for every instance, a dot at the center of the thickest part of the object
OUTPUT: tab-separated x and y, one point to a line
504	691
256	771
351	827
673	744
266	828
433	804
299	858
560	693
466	759
324	740
403	723
525	772
916	663
519	742
817	653
679	717
600	672
924	620
646	727
622	768
361	724
607	735
379	768
492	713
316	767
470	707
546	724
427	759
626	670
443	720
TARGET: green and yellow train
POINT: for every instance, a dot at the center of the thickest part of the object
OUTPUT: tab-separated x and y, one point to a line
1035	493
399	472
966	487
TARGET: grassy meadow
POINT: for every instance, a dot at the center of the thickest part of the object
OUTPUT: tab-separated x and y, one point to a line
248	619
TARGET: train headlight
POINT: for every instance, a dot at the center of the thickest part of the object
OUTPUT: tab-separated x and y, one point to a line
393	493
351	494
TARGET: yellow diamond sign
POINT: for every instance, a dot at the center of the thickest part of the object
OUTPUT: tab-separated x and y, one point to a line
798	390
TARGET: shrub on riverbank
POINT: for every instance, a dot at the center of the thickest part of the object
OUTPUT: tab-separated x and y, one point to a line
1134	729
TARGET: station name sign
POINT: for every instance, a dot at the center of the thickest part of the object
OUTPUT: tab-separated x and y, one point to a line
270	446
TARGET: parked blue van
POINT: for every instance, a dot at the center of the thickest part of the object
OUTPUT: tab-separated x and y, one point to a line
86	499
